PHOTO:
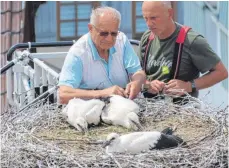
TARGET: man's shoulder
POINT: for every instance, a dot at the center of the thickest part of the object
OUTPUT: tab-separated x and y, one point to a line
145	36
144	39
121	38
80	46
195	40
192	36
83	40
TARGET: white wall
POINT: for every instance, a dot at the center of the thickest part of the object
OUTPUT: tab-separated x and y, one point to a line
200	19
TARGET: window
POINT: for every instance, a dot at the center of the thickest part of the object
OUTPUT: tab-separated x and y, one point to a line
139	25
72	18
213	6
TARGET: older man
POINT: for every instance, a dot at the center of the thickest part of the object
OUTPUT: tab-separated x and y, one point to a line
157	55
102	62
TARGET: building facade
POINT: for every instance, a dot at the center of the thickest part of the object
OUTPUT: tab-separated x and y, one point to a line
67	20
12	17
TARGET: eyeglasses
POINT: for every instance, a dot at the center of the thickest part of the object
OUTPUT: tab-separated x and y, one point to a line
106	33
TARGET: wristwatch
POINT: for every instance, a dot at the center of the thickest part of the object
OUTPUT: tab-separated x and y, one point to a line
193	85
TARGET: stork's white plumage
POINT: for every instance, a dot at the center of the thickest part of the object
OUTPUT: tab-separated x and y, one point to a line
74	114
79	123
87	110
121	111
137	142
93	110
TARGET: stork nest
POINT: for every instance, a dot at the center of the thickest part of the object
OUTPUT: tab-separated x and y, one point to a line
40	137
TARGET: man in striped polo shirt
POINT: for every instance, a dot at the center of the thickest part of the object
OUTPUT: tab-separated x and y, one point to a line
102	62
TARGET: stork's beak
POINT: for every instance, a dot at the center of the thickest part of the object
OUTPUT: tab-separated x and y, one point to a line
138	125
104	107
106	100
84	130
106	143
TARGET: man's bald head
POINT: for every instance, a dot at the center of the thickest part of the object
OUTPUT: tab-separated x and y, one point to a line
157	4
167	4
111	14
158	16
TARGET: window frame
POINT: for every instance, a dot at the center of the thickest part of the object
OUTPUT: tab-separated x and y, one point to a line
94	4
135	35
209	5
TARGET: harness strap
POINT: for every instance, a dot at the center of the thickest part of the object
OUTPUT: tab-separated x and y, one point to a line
177	51
150	39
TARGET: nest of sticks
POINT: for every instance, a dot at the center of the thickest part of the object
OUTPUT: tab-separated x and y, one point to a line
40	137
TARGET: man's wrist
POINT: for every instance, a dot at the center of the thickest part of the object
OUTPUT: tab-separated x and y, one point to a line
193	86
98	93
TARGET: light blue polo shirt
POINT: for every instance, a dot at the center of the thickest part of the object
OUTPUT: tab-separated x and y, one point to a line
83	67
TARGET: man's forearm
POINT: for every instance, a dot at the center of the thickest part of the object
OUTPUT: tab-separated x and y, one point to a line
66	93
218	74
139	76
208	80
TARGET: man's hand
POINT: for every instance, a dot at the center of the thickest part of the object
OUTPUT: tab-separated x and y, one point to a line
155	86
133	88
114	90
177	84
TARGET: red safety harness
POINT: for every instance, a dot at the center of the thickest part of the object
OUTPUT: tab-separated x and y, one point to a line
177	51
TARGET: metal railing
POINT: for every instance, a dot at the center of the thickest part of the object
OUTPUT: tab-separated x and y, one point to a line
27	84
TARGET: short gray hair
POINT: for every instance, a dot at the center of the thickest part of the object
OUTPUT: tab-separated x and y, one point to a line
167	4
100	10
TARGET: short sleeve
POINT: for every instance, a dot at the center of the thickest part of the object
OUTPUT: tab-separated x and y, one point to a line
131	60
202	55
71	73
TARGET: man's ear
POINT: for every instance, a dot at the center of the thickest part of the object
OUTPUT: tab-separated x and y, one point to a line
89	27
171	13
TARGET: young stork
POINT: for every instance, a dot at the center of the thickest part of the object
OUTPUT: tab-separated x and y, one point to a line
121	111
80	113
137	142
